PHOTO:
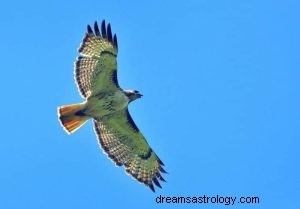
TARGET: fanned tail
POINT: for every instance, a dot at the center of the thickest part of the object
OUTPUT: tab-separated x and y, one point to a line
70	117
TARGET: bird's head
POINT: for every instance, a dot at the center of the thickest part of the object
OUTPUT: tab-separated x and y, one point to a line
132	94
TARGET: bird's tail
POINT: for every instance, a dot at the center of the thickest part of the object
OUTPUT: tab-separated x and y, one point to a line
71	118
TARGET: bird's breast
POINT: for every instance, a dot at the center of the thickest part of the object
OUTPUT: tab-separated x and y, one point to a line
105	104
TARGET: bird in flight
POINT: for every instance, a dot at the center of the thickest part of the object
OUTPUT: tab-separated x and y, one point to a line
107	104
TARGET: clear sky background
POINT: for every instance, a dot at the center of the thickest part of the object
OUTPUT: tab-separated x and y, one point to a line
221	102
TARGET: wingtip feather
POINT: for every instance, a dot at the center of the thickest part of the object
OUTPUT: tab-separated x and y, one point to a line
109	33
156	182
151	187
89	29
96	28
103	29
162	169
160	177
116	41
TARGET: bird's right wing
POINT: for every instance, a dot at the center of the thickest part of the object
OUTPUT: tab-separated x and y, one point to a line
96	66
122	141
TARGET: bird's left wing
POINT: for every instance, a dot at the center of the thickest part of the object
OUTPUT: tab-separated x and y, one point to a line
96	66
122	141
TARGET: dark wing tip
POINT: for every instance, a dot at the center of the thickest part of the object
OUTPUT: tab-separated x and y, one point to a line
116	41
151	187
96	28
105	32
89	29
160	177
160	162
103	29
156	182
109	34
162	170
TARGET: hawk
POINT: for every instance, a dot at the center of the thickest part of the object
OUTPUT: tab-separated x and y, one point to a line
107	104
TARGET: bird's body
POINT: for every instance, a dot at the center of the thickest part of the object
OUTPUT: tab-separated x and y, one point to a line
100	105
107	104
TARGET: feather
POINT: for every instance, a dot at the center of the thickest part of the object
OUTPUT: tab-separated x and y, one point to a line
160	177
89	29
162	170
109	34
103	29
151	187
97	32
156	182
160	162
115	41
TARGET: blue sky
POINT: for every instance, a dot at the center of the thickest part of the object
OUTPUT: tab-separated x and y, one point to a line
221	102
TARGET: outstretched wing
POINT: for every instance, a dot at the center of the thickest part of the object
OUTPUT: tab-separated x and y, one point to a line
96	66
122	141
